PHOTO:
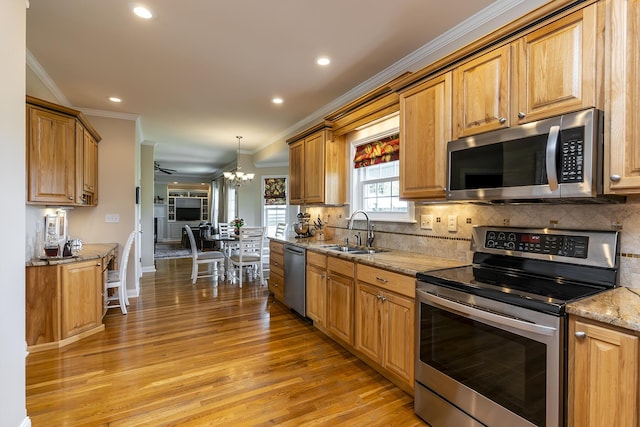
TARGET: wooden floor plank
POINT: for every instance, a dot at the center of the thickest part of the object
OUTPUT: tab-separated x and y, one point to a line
197	355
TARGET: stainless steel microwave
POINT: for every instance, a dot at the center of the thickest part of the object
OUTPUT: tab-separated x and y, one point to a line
555	159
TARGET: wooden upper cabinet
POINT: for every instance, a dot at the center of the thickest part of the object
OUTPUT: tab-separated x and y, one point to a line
556	67
425	129
622	98
50	157
296	173
603	376
317	168
62	155
481	93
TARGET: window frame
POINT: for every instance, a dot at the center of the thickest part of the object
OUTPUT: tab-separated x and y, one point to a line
356	186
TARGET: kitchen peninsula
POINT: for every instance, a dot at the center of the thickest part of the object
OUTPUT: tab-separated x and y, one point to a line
66	297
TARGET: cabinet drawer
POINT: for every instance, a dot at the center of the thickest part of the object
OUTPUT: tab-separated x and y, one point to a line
404	285
317	259
276	263
340	266
276	247
276	285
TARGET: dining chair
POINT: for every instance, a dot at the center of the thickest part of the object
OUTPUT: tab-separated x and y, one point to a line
280	229
117	279
249	254
210	257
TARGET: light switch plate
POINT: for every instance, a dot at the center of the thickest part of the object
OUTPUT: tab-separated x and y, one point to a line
426	222
453	223
112	218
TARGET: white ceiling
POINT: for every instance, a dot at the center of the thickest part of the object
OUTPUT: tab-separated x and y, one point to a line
203	71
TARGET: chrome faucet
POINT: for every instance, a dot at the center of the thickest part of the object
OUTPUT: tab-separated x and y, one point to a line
370	235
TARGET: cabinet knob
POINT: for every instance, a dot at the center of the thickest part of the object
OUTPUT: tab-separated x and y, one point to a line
381	279
581	335
521	115
70	197
615	178
502	120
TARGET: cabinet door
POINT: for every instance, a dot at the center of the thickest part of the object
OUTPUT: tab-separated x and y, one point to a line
623	98
81	295
369	321
398	335
603	376
314	168
557	67
51	157
317	295
481	93
340	307
425	129
296	173
90	170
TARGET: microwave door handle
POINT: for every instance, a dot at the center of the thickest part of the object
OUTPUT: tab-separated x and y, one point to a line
552	149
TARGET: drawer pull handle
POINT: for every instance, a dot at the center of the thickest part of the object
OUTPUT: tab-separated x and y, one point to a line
581	335
381	279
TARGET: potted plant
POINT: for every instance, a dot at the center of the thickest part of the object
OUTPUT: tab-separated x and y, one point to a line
237	223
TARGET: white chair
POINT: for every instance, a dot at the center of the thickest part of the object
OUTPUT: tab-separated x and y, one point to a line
280	229
117	279
210	257
249	253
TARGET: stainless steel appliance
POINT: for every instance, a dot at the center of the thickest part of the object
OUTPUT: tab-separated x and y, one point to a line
555	159
295	287
491	337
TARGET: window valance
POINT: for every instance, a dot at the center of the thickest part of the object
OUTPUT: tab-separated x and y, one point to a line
379	151
275	191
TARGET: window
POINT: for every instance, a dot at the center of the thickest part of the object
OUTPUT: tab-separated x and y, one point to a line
231	203
274	203
375	173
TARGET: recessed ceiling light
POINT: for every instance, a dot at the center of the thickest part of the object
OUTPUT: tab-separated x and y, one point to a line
142	12
323	60
114	99
277	100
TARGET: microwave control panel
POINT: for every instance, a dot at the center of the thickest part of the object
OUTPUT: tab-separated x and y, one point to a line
571	155
547	244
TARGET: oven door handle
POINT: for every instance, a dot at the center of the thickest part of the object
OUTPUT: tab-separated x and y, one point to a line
478	314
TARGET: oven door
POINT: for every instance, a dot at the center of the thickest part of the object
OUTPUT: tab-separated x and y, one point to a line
498	363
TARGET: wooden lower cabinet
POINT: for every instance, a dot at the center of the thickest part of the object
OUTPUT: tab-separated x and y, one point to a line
63	303
317	288
603	375
81	295
340	294
276	269
385	321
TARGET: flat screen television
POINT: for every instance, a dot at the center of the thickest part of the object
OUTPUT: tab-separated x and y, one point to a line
187	214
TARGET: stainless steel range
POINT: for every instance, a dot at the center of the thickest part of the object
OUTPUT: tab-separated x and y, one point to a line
491	337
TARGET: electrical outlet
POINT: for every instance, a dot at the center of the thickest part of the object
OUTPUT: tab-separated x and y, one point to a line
453	223
112	218
426	222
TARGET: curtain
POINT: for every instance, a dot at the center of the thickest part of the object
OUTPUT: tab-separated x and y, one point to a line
275	191
383	150
222	200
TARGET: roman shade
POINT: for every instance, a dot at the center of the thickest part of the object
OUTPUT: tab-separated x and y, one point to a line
275	191
382	150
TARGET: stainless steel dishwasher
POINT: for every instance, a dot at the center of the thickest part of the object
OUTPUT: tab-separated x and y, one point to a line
295	287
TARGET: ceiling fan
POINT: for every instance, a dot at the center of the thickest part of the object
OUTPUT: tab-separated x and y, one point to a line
157	167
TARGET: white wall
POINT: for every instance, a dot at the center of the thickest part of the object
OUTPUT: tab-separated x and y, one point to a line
13	410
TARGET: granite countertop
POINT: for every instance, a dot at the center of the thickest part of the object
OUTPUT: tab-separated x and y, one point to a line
619	307
89	251
403	262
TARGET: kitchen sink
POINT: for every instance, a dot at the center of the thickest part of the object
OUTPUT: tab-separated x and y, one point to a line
356	250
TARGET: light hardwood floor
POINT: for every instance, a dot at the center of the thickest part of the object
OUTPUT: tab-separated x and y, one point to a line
197	355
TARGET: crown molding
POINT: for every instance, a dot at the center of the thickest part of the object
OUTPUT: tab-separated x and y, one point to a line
37	69
109	114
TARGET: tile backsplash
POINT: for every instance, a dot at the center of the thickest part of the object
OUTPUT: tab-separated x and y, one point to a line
443	243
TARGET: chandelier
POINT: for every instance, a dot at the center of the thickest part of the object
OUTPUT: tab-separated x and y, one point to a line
237	177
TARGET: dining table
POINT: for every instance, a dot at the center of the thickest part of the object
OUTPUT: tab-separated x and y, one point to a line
226	247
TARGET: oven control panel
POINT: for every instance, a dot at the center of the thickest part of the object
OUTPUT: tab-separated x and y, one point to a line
539	243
